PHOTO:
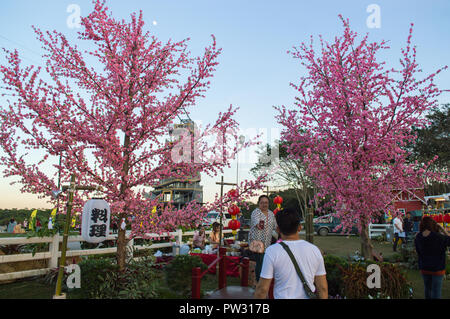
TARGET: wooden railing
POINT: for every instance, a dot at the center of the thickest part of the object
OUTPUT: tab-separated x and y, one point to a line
223	263
53	253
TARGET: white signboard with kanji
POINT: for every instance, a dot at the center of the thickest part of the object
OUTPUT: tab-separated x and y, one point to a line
95	220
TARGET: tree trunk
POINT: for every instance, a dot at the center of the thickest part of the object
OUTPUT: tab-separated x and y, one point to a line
366	244
121	238
121	249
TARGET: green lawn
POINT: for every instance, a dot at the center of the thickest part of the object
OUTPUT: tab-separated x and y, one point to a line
26	289
344	246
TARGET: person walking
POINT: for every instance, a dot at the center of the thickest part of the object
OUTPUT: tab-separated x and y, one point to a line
431	245
296	265
262	225
398	230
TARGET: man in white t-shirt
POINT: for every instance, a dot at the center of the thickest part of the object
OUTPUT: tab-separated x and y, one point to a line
278	265
398	230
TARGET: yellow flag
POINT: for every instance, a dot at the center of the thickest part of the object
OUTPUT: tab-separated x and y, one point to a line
53	214
73	222
32	217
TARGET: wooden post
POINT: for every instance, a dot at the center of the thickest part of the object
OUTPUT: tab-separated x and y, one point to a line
222	183
54	251
196	273
221	212
309	225
222	268
244	275
62	261
72	188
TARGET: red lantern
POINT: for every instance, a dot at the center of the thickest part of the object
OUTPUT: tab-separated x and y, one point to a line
234	210
439	219
276	210
233	193
234	224
278	200
447	218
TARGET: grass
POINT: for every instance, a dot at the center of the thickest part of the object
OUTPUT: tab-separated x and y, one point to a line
344	246
26	289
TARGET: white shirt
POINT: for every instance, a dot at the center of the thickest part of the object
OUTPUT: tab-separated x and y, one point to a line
278	265
398	223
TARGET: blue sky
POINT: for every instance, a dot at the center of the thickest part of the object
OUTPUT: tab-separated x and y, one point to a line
255	70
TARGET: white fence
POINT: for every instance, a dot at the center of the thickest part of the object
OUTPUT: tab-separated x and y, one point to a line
378	229
53	253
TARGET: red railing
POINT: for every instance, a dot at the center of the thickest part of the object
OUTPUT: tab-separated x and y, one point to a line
222	259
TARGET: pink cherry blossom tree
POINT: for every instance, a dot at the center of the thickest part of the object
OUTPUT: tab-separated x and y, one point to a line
352	120
106	112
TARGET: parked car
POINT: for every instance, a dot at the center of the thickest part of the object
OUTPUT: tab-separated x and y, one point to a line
214	216
323	225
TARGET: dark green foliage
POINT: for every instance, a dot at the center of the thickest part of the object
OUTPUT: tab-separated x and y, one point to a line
409	256
101	279
179	273
93	274
334	266
434	139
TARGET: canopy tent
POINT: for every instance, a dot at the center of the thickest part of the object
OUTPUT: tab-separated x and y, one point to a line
438	198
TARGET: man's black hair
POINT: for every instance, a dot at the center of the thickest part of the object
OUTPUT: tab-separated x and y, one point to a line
288	220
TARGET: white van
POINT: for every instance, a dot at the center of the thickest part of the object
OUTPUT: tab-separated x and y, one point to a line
214	216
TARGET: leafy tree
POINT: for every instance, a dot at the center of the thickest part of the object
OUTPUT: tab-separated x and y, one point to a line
434	140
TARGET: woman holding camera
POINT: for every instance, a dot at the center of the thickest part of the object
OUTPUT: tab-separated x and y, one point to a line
262	226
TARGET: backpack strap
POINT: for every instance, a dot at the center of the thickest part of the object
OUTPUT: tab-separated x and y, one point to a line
308	290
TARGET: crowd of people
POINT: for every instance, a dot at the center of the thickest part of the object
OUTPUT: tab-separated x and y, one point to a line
297	266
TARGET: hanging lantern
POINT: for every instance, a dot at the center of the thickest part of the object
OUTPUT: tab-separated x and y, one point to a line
278	200
234	224
233	193
439	218
234	210
95	220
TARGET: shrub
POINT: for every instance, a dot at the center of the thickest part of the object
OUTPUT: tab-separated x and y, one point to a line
393	282
334	267
179	273
93	274
409	256
101	279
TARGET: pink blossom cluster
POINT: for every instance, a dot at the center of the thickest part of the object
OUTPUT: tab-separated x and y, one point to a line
352	121
108	120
